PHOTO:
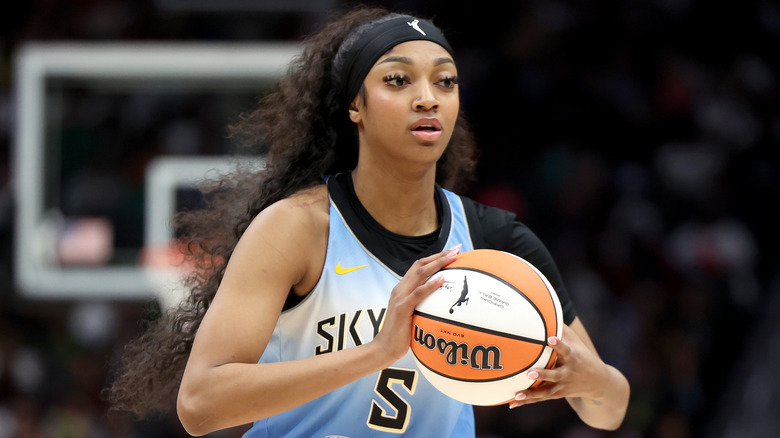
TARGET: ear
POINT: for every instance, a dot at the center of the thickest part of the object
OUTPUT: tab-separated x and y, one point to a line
354	111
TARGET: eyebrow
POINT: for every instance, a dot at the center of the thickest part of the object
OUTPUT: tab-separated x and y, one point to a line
406	60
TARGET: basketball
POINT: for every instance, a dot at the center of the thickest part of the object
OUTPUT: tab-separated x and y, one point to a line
474	337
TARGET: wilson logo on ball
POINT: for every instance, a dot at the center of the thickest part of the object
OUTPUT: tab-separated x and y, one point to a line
479	357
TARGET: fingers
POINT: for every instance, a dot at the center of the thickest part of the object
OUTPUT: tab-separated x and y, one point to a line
429	265
552	375
577	372
549	377
424	268
561	347
420	292
547	391
419	282
422	274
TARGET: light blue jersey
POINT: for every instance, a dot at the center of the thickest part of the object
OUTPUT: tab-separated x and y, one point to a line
345	309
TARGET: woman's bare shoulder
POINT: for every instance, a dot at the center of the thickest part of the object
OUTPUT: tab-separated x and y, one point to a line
308	207
310	201
294	229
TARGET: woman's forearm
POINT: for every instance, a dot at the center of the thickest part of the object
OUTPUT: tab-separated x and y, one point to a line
236	393
607	410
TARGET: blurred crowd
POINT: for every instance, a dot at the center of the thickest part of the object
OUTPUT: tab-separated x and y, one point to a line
635	137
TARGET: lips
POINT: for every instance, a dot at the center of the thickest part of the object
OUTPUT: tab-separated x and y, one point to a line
426	125
427	129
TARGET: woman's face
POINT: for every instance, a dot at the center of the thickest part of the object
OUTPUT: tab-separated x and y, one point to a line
410	104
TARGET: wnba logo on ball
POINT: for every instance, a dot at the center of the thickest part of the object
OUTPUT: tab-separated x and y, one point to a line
477	357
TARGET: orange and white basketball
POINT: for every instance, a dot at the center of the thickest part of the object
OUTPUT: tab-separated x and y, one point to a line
475	337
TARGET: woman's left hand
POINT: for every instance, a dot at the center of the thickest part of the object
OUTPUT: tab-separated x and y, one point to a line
578	372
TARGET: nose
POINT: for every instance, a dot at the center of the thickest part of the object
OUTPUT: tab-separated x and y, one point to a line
426	100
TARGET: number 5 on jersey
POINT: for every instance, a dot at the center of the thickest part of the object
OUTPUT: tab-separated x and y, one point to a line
379	418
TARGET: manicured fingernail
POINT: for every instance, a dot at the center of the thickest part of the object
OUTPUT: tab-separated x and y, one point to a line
552	340
520	396
454	250
533	375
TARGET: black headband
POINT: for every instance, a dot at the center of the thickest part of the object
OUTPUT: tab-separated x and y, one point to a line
363	52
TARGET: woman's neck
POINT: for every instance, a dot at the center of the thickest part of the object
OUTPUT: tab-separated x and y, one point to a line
402	203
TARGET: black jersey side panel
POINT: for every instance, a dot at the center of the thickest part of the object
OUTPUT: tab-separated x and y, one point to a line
499	229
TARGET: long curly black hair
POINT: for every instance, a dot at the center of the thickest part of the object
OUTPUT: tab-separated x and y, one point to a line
304	130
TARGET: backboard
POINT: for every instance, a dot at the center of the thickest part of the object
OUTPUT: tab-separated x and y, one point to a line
91	120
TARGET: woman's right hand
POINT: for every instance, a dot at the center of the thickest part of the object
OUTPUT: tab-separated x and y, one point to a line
420	280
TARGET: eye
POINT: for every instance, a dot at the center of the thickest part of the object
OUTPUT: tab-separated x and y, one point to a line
449	82
396	80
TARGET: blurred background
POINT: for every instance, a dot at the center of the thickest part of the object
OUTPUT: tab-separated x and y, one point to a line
638	138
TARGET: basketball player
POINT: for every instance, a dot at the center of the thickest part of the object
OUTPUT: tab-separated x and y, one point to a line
301	319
